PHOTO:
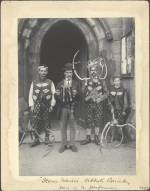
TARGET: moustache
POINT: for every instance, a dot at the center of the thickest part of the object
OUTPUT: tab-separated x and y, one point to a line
94	73
69	76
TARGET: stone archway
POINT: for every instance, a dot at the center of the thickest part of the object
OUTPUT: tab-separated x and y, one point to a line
89	35
81	29
58	47
32	32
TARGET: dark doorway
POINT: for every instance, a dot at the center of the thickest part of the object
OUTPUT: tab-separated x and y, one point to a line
59	46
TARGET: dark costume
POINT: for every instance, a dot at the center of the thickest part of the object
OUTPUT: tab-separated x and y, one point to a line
41	94
95	94
67	102
120	102
96	90
119	99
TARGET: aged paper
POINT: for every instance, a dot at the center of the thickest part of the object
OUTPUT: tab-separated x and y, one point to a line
11	12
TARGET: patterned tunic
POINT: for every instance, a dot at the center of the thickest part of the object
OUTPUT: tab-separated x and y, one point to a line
42	91
41	96
119	100
95	93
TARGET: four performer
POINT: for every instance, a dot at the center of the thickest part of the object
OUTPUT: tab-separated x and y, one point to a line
42	97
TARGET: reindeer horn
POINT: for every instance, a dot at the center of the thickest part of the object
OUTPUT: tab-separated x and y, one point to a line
75	69
103	65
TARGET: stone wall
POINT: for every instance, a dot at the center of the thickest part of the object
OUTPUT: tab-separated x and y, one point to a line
112	49
103	37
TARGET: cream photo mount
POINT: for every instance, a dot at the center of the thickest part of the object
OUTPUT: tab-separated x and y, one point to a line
14	10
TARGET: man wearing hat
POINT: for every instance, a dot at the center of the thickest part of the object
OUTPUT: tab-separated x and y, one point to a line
41	102
67	93
95	94
119	102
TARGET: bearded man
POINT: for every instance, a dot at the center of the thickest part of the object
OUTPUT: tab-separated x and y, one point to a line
67	95
95	94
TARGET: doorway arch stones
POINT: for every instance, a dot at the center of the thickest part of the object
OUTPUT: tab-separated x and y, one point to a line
32	31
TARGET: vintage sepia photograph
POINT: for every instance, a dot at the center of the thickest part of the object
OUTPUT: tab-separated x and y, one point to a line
76	96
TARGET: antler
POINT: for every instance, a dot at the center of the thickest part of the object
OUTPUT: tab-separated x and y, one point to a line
75	69
106	71
102	65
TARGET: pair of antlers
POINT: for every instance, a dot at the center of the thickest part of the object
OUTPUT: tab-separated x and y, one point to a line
101	63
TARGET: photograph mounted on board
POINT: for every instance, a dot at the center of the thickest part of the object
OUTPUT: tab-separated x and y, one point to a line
76	96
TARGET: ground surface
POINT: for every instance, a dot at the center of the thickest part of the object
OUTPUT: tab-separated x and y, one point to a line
87	161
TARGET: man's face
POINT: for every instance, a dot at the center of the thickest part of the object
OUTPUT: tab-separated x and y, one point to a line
68	74
93	72
117	82
43	73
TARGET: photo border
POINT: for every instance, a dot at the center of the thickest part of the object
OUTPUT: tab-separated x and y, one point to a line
10	13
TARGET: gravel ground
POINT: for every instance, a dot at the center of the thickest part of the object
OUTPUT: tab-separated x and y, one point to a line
87	161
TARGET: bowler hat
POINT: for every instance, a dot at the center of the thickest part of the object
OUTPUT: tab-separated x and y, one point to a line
68	66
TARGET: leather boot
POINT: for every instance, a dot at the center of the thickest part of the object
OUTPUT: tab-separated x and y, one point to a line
62	148
35	143
96	140
86	141
47	141
73	148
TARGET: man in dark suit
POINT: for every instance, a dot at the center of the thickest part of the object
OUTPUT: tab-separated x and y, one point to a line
67	93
